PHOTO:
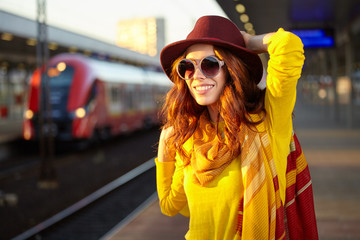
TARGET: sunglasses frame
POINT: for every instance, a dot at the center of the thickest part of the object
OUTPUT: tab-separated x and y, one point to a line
221	63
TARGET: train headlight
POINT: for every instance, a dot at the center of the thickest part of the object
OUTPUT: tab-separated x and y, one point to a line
80	112
29	114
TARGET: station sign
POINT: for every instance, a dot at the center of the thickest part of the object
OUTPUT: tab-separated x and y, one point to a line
316	38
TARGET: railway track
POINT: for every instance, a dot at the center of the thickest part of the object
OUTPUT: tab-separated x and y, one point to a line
78	174
16	155
96	214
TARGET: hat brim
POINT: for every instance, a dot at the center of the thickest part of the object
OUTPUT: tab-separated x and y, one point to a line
174	50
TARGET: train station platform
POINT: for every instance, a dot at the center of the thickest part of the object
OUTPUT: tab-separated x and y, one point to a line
333	156
151	224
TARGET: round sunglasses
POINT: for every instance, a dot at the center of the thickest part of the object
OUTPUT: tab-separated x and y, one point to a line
209	66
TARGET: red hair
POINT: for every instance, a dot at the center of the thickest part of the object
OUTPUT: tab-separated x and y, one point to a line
240	97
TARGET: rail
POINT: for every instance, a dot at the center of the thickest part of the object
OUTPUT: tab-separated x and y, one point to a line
88	200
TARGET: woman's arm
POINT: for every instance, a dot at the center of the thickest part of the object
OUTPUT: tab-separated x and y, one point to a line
163	155
257	43
284	69
169	179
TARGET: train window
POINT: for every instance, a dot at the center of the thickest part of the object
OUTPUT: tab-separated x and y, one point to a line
129	97
122	101
115	94
61	78
92	95
131	100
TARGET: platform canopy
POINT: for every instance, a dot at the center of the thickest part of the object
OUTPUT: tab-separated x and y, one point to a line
265	16
22	31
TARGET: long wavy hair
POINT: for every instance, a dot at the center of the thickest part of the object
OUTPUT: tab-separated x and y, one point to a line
240	97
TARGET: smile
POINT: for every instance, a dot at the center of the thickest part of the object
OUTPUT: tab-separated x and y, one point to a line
202	89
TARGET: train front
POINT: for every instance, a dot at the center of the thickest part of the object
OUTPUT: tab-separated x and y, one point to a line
57	100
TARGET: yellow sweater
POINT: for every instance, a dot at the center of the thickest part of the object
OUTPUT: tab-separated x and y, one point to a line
213	208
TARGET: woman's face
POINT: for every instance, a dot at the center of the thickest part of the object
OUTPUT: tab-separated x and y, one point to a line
206	91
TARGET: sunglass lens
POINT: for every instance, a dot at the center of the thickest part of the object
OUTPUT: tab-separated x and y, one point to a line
186	69
210	66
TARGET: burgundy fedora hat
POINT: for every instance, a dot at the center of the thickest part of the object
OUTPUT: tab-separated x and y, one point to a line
218	31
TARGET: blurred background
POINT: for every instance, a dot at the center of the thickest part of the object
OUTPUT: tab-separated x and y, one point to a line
81	87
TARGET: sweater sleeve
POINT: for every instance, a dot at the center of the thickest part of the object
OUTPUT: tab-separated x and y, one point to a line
169	177
284	69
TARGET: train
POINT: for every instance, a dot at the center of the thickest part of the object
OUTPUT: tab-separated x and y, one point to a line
91	98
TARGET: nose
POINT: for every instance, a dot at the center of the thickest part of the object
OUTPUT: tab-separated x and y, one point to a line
198	74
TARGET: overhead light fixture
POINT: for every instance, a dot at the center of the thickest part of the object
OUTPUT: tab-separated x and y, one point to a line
87	52
53	46
31	41
244	18
248	26
251	32
4	65
21	66
73	49
240	8
7	36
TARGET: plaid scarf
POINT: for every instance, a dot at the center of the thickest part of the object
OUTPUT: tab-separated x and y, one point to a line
209	156
261	213
299	202
300	220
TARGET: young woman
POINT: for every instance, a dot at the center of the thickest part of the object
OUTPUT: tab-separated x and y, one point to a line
222	156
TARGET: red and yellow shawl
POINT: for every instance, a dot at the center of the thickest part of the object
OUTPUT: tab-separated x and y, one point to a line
295	219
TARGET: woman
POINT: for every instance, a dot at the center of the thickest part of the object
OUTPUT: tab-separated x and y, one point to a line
223	150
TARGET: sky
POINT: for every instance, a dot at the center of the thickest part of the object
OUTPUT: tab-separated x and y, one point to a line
98	19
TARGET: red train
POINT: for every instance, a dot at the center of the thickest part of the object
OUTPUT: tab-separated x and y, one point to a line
90	98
